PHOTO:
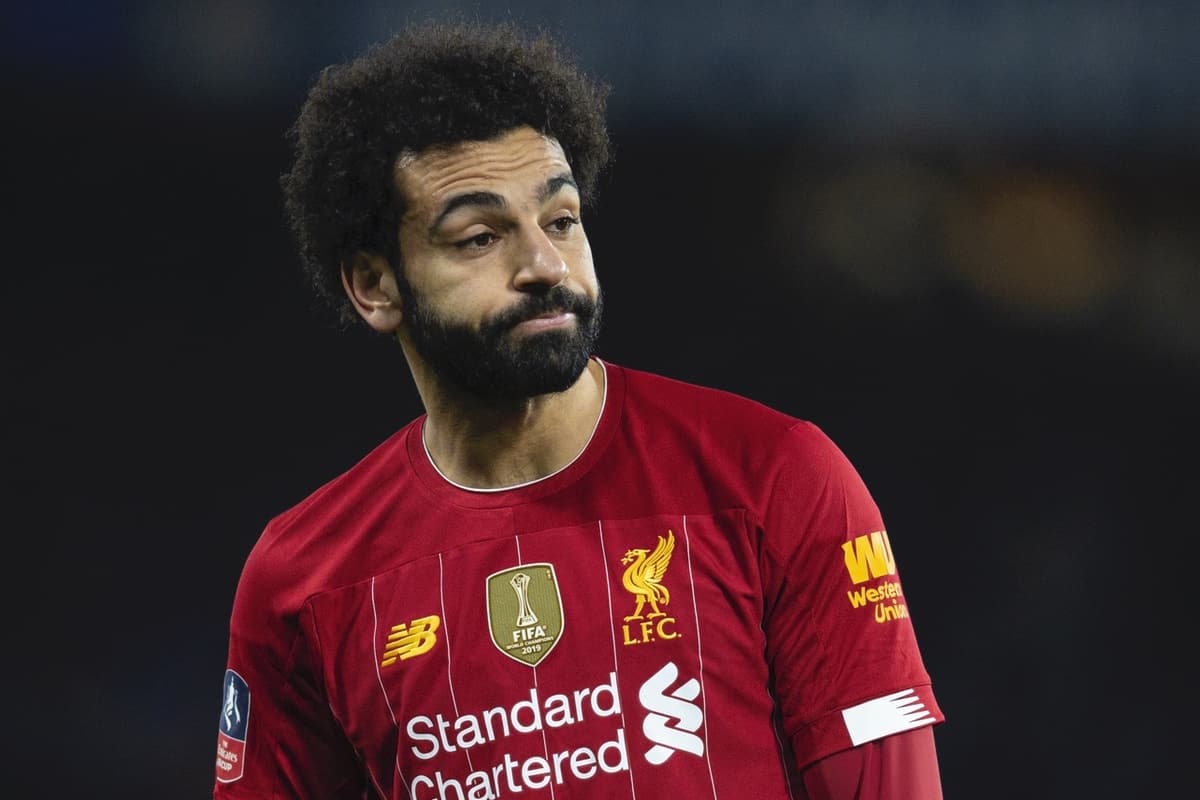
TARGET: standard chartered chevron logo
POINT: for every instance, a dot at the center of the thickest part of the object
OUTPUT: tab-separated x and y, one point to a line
673	718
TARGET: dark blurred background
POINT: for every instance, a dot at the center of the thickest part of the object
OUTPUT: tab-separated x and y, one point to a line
961	237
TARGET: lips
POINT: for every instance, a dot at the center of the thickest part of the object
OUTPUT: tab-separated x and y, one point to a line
543	311
552	309
548	320
562	312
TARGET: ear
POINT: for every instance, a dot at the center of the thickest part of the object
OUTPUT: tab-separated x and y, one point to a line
370	283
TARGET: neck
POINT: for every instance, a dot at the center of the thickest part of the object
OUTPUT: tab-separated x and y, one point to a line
484	446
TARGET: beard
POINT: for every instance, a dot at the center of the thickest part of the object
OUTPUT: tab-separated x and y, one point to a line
495	364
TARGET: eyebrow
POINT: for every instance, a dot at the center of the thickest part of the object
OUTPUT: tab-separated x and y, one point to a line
483	199
492	200
551	187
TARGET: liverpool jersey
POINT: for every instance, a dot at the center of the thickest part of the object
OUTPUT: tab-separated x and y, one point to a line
703	602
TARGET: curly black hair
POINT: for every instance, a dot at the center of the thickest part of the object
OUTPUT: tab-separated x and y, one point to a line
433	84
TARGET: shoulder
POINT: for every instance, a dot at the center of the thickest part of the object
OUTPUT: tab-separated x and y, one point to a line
306	548
718	415
751	453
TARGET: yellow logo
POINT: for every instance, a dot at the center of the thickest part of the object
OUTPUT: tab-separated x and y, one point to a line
869	556
643	579
413	639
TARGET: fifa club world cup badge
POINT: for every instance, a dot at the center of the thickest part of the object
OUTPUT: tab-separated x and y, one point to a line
525	612
231	728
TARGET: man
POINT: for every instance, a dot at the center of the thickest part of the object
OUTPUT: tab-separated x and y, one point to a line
567	579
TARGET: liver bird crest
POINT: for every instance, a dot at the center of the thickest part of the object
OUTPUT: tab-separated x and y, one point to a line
643	576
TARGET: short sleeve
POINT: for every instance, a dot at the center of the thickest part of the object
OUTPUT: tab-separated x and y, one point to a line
840	638
276	735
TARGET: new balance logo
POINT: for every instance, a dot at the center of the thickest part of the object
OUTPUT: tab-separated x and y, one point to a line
673	718
869	557
413	639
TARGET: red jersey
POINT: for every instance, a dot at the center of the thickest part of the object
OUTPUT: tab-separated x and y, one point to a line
702	602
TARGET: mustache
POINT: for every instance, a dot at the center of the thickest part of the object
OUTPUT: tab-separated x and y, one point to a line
556	300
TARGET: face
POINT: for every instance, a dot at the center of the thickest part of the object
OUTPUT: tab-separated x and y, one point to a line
498	291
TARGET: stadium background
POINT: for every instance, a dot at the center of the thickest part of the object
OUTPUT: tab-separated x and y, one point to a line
961	237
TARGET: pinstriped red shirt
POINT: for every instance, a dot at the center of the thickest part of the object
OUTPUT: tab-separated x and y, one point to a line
703	602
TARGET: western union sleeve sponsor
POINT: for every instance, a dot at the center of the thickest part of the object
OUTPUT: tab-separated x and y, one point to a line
868	557
875	594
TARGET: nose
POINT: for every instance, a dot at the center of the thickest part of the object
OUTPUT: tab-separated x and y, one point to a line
541	262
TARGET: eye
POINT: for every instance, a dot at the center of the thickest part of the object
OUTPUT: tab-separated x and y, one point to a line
476	242
564	224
